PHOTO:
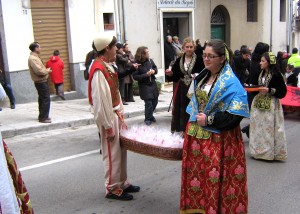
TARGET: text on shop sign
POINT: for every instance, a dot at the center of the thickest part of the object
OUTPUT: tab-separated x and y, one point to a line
176	3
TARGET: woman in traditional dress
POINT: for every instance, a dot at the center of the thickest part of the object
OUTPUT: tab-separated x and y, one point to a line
181	75
14	198
267	135
214	165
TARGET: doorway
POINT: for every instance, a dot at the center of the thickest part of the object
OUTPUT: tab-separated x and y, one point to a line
218	32
177	24
220	24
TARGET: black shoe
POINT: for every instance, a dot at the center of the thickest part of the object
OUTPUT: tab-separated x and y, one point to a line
123	197
153	120
124	103
12	106
246	130
132	188
148	122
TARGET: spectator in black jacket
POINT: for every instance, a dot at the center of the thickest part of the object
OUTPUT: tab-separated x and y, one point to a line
121	61
145	75
291	78
198	48
170	53
242	65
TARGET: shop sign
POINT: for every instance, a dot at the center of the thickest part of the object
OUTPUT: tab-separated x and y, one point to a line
175	3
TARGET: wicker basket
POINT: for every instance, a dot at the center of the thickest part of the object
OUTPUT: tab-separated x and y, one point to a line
151	150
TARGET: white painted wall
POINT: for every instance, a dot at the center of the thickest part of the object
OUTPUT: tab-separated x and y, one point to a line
279	41
143	27
81	28
17	34
243	32
85	22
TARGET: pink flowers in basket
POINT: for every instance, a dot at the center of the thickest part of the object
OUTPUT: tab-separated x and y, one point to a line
153	136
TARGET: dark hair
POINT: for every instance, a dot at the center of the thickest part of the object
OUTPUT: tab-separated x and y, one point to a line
140	54
245	50
197	41
273	67
243	46
259	50
119	46
33	46
56	53
295	50
237	53
279	55
124	45
219	47
290	67
111	44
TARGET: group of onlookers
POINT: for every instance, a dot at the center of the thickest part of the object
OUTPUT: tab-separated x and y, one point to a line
288	65
39	74
124	59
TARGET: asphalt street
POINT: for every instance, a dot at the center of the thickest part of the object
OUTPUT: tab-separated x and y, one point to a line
63	172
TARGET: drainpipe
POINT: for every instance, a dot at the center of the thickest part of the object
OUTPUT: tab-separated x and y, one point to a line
124	21
291	6
117	20
271	26
288	27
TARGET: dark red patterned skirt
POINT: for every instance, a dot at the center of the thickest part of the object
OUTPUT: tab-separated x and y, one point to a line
214	174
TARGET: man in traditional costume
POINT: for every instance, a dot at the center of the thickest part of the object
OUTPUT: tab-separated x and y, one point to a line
104	97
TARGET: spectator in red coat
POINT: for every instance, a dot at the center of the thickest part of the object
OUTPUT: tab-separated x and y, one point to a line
57	75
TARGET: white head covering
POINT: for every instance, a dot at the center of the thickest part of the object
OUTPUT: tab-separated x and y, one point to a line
101	42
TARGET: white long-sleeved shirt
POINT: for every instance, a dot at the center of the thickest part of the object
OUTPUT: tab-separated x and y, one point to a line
102	101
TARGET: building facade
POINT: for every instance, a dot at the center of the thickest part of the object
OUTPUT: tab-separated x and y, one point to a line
70	26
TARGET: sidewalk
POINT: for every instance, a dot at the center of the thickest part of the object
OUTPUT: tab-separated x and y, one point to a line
64	114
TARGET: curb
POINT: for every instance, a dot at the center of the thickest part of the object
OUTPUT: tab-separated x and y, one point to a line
9	133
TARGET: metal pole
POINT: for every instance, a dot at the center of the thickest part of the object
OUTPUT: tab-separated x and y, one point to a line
124	21
271	26
291	24
117	20
288	21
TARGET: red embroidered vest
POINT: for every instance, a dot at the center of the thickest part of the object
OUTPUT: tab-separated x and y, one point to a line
111	78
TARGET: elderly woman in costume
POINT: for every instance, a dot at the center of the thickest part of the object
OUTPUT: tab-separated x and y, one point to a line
181	75
267	135
213	165
14	198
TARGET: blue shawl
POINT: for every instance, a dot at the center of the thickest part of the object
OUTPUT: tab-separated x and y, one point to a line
227	95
